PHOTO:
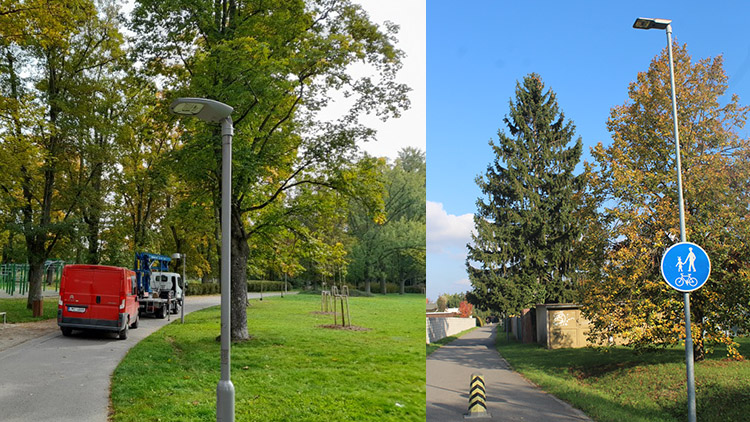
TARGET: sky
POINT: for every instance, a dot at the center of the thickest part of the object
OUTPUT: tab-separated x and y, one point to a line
585	51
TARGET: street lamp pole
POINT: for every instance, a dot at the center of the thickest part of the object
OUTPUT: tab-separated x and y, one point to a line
182	308
181	256
215	112
647	23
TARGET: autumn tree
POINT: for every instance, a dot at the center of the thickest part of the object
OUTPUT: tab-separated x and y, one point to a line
277	63
637	183
526	223
50	51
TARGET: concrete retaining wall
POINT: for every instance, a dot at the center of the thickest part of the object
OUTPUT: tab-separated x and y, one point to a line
438	328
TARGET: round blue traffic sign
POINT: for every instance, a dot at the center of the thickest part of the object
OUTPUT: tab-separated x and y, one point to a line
685	267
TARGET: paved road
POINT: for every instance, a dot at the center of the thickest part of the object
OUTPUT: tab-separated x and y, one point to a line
509	396
56	378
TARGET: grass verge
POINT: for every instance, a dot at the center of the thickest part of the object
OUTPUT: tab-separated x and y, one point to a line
17	312
443	341
292	370
622	385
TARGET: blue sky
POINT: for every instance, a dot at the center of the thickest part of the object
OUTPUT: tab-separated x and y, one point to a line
586	52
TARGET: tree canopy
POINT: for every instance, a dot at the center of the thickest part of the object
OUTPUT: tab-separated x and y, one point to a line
636	186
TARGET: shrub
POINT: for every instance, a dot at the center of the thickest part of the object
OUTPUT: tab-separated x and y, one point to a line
414	289
442	302
197	289
267	286
389	288
352	293
465	308
480	322
359	293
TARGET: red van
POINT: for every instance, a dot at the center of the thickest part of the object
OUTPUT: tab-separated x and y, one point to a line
97	297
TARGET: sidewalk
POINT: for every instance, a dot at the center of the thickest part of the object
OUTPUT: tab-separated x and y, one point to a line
509	396
46	293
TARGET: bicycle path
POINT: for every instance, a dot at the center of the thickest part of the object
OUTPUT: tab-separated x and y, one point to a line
509	396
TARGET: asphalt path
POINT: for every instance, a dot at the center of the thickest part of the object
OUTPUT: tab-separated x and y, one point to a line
57	378
509	396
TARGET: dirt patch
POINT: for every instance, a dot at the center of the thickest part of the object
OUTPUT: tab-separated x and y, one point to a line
347	328
14	334
321	313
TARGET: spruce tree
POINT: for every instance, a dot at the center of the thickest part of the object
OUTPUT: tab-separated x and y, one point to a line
525	225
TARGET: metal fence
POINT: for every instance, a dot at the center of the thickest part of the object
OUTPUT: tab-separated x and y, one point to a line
14	278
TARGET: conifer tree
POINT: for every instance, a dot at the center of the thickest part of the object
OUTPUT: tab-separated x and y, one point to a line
525	225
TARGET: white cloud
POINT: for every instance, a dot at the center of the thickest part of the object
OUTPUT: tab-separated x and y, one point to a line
447	236
463	282
447	231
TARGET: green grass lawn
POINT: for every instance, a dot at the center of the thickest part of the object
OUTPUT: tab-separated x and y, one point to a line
292	370
443	341
17	312
621	385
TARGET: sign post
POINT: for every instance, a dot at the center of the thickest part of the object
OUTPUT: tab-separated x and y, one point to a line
686	267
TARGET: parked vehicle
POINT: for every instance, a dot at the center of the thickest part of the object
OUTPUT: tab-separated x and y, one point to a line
97	297
159	291
165	285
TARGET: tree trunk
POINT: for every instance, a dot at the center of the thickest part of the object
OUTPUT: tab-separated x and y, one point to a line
382	285
93	211
50	274
239	258
402	286
367	286
36	275
92	256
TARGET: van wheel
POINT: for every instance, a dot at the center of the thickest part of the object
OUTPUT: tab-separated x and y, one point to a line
123	334
135	323
162	312
66	331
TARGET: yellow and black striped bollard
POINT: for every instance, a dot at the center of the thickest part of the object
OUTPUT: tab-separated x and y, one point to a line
477	398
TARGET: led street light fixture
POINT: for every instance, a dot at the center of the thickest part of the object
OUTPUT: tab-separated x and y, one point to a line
648	23
202	108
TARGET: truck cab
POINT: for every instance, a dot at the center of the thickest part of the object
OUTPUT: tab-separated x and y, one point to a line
164	282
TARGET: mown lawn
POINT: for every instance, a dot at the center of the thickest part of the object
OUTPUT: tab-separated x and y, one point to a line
621	385
292	370
17	312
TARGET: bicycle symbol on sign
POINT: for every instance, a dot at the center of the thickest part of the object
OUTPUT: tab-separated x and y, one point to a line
686	279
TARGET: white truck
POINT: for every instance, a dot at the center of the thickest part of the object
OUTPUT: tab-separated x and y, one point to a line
159	291
166	294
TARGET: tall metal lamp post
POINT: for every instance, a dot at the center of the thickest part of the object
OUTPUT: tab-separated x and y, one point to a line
648	23
215	112
182	256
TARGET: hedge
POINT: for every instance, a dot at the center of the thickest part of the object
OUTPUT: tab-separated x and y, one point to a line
268	286
197	289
